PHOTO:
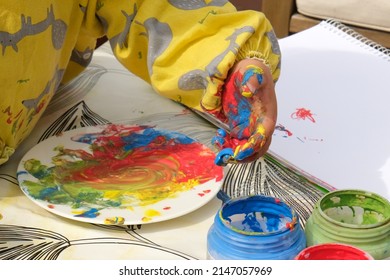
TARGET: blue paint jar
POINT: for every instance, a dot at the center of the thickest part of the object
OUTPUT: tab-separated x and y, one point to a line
255	227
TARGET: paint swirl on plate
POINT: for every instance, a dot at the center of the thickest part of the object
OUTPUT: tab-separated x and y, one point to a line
123	167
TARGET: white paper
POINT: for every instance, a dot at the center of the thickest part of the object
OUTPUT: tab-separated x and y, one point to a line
333	97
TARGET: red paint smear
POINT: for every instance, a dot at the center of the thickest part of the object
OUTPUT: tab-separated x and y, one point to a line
160	161
302	114
185	163
204	192
167	208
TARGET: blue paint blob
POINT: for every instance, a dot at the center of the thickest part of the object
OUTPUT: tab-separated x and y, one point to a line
47	192
221	132
148	135
137	139
91	213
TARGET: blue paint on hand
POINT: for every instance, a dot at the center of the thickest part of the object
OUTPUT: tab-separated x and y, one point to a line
244	154
221	132
223	157
252	72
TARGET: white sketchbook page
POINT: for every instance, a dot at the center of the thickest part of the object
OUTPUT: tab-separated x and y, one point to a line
341	135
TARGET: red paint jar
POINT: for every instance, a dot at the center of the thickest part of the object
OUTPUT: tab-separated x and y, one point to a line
333	251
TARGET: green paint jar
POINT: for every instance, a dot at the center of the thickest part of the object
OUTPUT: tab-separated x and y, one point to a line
354	217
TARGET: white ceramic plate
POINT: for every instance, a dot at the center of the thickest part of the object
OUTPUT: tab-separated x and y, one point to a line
120	174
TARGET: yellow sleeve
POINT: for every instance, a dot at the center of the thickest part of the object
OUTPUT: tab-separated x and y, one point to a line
185	49
42	44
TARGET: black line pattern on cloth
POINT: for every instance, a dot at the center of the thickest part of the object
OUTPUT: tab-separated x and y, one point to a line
27	243
264	177
9	178
80	115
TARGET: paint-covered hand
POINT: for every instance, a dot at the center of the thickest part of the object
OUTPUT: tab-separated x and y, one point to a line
250	108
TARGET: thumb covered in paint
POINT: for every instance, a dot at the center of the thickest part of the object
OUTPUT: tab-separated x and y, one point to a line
249	107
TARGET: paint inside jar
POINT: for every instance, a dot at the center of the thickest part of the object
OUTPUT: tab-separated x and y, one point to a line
258	222
333	251
356	209
270	216
354	215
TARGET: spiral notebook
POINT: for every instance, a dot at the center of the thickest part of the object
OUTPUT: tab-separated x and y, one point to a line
334	108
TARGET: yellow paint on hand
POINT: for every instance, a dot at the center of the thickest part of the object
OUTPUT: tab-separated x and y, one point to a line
247	94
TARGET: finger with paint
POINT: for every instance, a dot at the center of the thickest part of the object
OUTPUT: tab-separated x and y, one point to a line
234	151
222	142
251	80
249	149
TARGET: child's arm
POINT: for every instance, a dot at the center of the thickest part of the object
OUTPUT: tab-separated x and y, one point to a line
187	49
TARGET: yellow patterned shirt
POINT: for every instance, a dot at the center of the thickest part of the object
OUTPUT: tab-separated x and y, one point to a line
184	49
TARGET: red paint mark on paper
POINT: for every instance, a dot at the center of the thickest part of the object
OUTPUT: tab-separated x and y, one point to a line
283	129
303	114
167	208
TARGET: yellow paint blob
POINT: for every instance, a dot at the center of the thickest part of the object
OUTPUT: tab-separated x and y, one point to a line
114	221
149	214
152	213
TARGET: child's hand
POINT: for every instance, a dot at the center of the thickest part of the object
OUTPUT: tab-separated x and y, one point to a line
250	108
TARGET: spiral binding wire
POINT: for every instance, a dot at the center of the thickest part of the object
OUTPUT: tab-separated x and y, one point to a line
370	44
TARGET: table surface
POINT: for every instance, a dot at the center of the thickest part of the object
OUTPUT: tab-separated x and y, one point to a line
108	93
